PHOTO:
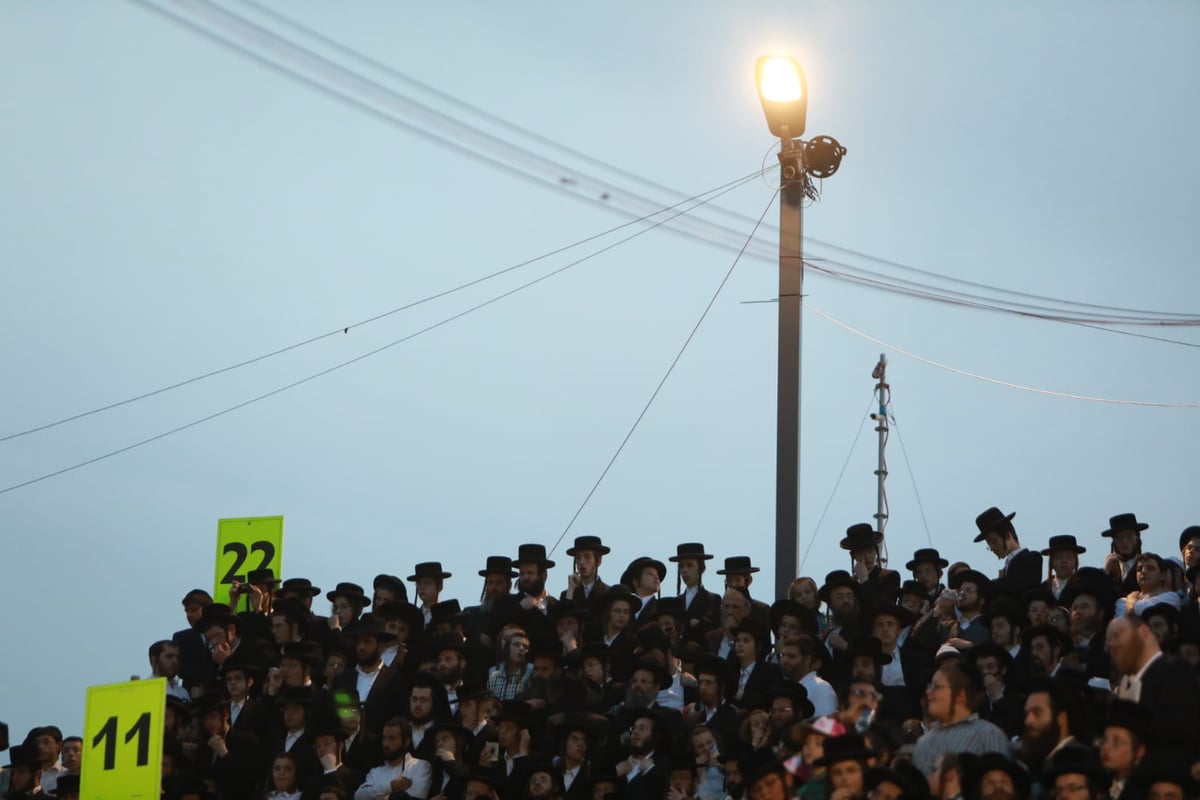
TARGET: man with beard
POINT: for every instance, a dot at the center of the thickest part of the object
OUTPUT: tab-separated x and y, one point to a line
530	607
993	776
787	704
1049	714
378	686
427	706
711	709
645	682
401	772
1090	599
840	595
735	607
731	763
451	666
702	608
969	590
584	587
1166	688
799	659
497	576
544	782
644	779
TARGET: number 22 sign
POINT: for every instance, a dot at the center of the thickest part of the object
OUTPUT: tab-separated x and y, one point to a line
123	740
244	545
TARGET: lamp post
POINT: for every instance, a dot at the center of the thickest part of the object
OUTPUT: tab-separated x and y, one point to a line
783	92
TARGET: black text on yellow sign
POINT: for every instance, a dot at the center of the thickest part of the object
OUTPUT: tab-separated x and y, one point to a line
246	544
123	740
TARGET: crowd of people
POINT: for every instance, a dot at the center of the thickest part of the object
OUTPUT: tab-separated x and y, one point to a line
1046	679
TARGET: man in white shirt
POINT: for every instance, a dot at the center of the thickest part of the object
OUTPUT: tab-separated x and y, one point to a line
799	658
400	771
430	579
164	663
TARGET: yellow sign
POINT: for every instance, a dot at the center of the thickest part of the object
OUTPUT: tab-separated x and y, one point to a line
244	545
123	741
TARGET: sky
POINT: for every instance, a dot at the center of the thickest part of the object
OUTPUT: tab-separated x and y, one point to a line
170	205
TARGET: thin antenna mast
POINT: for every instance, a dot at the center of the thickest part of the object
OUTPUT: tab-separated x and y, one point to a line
883	395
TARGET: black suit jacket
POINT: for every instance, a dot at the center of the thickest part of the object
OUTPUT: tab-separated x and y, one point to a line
589	601
1023	574
881	586
1171	693
386	699
196	667
765	677
702	616
363	753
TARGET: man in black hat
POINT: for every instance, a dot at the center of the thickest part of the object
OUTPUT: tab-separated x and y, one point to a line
736	606
1047	645
1120	564
227	757
926	567
712	709
221	628
787	704
293	732
1063	552
739	572
840	595
24	772
1004	705
430	579
246	712
584	586
1123	745
1052	716
875	583
1167	688
1090	598
1022	568
380	688
994	776
644	577
427	706
702	608
328	742
530	607
755	676
196	668
497	574
968	593
401	772
645	778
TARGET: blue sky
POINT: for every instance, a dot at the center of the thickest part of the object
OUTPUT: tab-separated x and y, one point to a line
170	207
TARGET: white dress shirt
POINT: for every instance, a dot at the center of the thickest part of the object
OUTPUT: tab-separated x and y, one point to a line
378	784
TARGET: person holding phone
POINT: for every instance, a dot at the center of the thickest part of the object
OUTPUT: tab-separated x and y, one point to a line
584	586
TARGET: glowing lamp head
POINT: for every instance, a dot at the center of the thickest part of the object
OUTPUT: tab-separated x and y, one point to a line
783	93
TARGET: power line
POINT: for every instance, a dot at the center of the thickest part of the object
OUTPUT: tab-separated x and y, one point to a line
347	328
598	191
544	141
667	374
996	381
360	357
912	476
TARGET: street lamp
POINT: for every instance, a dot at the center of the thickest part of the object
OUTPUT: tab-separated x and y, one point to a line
783	92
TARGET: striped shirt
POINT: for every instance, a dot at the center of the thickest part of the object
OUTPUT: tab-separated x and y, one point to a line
971	735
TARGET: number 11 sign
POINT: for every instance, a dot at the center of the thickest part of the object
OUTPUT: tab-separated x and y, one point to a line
123	741
243	545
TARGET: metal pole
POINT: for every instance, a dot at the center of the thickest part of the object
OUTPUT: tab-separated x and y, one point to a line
791	285
882	391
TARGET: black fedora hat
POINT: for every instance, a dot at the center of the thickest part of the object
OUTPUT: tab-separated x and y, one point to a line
989	648
1123	522
991	521
295	695
594	726
883	608
1133	717
586	543
262	577
308	652
369	625
982	582
861	536
927	554
692	550
791	608
300	586
1090	581
674	606
868	646
797	694
1074	759
911	782
1063	541
429	569
621	592
710	664
1053	633
216	614
913	588
634	571
975	767
447	611
1187	534
403	611
517	711
756	628
655	668
738	565
847	747
532	553
1009	608
351	591
834	580
498	565
391	583
239	663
